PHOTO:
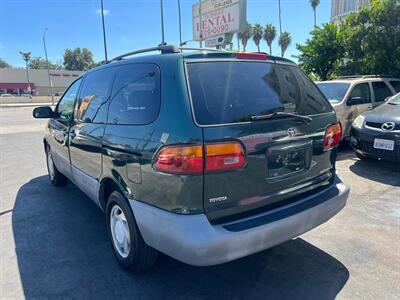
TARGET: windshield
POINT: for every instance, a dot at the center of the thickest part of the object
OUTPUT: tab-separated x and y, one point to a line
395	100
334	91
234	91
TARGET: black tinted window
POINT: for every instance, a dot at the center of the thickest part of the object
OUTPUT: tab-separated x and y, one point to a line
136	95
361	91
381	91
229	92
91	106
395	85
65	107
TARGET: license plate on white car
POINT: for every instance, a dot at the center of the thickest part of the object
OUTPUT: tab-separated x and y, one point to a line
384	144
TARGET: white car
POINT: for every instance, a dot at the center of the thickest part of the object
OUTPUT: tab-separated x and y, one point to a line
6	96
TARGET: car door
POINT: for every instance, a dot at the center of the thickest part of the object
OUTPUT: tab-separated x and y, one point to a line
381	92
59	127
86	133
358	101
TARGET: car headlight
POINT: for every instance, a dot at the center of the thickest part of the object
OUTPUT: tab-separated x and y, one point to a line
359	121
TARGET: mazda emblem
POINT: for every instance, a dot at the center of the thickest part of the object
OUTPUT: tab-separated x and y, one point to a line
291	131
388	126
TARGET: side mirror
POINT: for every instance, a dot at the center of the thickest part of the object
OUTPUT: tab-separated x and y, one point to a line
354	101
43	112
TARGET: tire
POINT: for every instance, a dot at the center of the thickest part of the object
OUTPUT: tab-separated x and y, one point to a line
132	253
365	157
55	176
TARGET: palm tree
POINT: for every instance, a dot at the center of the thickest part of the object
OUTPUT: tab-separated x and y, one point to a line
246	35
284	41
258	32
269	35
314	4
239	37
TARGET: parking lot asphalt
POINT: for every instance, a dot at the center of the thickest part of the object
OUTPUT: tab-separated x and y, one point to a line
53	241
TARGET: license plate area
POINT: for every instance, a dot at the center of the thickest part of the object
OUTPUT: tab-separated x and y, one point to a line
384	144
288	161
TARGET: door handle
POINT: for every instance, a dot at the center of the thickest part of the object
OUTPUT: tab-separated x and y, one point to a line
120	155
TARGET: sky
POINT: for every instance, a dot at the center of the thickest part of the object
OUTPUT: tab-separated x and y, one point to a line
130	25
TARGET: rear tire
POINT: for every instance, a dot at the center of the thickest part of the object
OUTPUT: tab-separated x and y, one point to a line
131	251
55	176
365	157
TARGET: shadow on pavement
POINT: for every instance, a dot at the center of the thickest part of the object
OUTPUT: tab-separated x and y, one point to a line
63	251
379	171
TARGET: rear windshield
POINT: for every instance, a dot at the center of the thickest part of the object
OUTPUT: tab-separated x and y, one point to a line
334	91
231	92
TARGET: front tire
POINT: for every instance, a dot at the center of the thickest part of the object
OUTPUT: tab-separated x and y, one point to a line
55	176
132	253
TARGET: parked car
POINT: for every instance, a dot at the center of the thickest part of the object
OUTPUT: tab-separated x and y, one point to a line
6	96
376	134
27	96
351	96
204	156
59	94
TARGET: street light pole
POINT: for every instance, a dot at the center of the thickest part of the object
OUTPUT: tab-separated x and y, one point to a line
180	23
47	65
104	31
201	27
27	56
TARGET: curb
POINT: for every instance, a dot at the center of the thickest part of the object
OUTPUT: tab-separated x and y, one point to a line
11	105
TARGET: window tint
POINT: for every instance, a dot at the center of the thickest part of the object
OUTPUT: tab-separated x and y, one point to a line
381	91
362	92
136	95
229	92
395	85
92	103
65	106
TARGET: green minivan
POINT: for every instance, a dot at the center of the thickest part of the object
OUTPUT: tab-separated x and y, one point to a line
202	155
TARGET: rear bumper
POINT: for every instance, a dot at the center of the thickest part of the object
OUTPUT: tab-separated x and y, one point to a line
193	240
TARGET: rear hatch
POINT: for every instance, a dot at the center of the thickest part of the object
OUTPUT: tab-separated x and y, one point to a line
284	154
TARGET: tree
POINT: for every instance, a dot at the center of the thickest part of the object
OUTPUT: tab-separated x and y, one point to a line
314	4
269	35
284	41
4	64
78	60
258	32
322	52
40	63
246	35
239	37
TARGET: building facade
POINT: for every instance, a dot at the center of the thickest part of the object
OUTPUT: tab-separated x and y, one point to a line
15	81
340	9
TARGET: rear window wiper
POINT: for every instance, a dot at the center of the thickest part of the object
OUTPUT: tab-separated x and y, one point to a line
279	114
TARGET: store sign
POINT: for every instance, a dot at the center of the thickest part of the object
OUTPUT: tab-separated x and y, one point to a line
218	17
215	41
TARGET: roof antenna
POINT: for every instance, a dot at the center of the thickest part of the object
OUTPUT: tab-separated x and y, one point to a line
162	24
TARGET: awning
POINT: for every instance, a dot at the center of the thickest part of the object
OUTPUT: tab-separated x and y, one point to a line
14	86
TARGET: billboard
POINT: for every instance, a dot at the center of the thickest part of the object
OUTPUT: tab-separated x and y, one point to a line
218	17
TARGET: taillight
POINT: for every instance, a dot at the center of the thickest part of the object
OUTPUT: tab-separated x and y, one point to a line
224	156
333	136
183	159
245	55
180	160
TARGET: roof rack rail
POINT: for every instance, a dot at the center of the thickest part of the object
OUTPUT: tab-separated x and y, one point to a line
364	76
162	48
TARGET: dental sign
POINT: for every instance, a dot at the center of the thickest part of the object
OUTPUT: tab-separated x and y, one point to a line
218	17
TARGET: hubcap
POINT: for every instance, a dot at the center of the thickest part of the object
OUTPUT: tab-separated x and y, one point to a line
120	231
50	165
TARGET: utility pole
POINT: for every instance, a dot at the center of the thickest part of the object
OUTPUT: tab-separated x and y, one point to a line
104	31
27	56
180	23
162	23
47	65
201	26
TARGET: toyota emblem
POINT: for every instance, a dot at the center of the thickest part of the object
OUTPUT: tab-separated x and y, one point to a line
291	131
388	126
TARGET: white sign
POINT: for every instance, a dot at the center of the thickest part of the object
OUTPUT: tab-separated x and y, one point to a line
218	17
215	41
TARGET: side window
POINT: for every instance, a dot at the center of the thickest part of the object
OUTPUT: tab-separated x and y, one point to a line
395	85
92	103
381	91
65	106
361	91
135	95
